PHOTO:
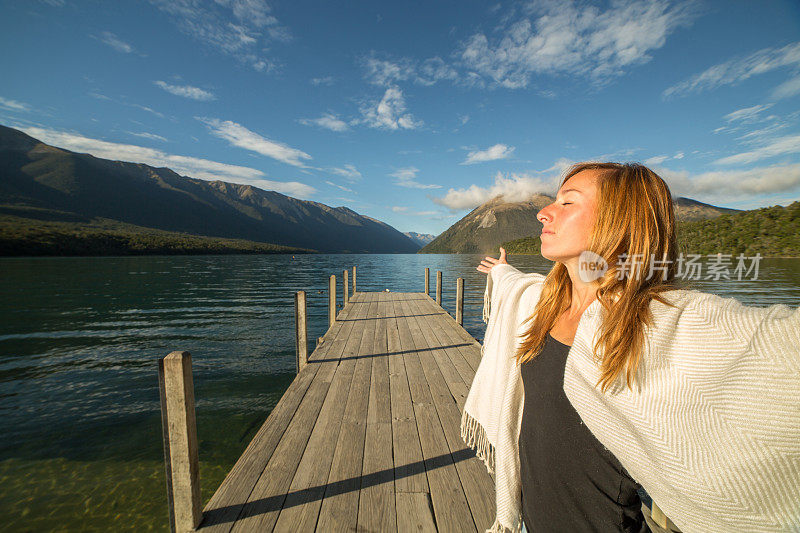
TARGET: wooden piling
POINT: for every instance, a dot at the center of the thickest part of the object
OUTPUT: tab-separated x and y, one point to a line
346	285
301	329
180	441
439	287
427	280
332	300
354	280
460	301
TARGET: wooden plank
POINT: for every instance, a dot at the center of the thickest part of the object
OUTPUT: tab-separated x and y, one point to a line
339	511
409	470
228	501
376	511
449	502
260	470
414	512
301	507
454	367
475	480
457	335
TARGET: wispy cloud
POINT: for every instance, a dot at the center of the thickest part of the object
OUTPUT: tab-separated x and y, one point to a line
493	153
115	42
386	72
575	39
349	172
739	69
324	80
789	144
239	28
389	113
342	187
151	136
13	105
399	209
657	160
238	135
513	187
747	114
406	177
328	121
790	87
186	91
191	166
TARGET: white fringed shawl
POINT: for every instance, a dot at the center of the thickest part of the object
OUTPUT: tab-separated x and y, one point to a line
711	429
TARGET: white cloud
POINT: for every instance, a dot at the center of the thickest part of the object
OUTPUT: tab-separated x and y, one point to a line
238	135
289	188
386	73
240	28
575	39
151	136
399	209
383	72
493	153
115	42
739	69
790	87
184	165
349	172
13	105
342	187
390	112
186	91
732	184
789	144
513	187
406	177
325	80
328	121
657	160
747	114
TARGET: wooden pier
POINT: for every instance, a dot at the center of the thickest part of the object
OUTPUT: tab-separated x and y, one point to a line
367	436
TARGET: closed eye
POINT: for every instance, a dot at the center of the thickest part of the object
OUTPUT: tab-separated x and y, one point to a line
567	203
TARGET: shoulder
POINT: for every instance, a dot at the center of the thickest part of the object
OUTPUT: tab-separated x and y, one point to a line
706	315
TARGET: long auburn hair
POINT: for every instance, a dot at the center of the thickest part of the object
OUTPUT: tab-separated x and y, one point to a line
634	224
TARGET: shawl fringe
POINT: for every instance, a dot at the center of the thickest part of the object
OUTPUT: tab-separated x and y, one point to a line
497	527
474	436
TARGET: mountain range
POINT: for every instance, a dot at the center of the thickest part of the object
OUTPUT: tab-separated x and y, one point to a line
38	180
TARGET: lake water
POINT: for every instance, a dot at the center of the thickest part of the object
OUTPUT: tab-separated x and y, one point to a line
81	443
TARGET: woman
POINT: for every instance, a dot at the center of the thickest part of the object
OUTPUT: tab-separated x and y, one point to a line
692	395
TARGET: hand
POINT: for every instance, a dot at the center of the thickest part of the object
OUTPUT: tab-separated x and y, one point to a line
489	262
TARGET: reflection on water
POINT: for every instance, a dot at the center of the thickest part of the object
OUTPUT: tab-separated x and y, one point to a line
79	339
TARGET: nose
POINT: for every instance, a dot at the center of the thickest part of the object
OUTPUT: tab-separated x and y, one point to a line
544	215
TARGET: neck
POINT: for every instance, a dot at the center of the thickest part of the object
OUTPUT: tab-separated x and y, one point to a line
583	293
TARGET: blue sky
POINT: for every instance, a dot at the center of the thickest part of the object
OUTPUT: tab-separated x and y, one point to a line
416	112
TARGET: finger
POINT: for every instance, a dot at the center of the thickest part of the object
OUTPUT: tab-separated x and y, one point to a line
502	254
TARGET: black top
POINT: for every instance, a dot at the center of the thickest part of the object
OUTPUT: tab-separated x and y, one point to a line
570	481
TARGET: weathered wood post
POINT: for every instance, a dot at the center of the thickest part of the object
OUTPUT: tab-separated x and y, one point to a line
354	280
331	300
460	301
301	329
346	285
427	280
179	429
439	287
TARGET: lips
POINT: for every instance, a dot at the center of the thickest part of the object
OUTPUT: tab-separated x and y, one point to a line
547	232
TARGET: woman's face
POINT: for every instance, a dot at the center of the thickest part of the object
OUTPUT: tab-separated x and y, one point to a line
567	223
